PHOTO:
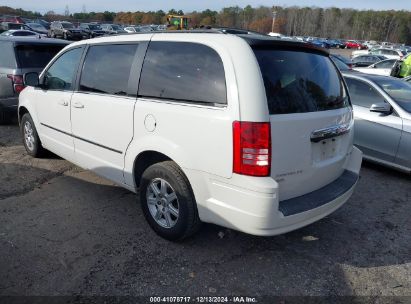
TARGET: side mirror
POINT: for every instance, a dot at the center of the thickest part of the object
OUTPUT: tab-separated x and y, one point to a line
381	107
31	79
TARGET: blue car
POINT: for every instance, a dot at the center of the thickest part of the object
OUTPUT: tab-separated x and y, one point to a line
320	43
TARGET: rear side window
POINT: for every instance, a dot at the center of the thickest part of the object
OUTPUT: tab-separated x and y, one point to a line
7	58
300	82
362	94
183	71
107	68
36	56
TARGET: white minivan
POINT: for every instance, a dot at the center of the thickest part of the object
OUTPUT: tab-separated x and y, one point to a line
243	131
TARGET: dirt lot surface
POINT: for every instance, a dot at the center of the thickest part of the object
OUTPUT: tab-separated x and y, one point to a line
64	231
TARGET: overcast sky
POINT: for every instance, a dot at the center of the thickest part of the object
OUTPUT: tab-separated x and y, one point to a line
190	5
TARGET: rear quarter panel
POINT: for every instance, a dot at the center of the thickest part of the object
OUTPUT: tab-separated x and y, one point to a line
200	137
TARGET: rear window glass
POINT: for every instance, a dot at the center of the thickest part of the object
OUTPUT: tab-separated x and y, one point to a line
36	56
183	71
300	82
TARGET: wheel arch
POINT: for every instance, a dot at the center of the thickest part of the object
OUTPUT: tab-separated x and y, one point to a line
22	110
144	160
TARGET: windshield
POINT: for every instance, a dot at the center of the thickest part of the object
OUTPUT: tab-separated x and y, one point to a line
116	27
67	25
300	82
399	90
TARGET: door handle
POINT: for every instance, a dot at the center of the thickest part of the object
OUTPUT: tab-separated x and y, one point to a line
78	105
63	103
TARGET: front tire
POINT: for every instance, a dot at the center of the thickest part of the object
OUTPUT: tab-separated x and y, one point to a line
31	140
168	202
65	36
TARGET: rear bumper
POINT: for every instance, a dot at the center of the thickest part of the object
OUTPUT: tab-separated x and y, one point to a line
255	209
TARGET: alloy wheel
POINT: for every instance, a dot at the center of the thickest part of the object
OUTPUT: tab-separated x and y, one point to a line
162	203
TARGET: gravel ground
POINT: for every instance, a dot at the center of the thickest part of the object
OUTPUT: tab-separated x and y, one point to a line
65	231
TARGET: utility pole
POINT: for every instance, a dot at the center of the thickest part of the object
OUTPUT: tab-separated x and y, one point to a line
274	18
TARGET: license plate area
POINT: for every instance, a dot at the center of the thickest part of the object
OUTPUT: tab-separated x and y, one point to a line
325	150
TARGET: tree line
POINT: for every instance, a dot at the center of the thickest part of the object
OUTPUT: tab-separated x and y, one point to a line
393	26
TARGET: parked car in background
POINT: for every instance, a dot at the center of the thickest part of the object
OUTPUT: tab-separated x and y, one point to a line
42	22
382	112
353	44
339	58
371	44
5	26
132	29
91	30
19	55
146	28
19	33
139	29
320	43
279	128
367	60
13	19
38	28
336	43
388	53
340	64
65	30
363	52
383	67
113	29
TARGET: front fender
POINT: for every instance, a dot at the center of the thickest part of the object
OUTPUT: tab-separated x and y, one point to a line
24	102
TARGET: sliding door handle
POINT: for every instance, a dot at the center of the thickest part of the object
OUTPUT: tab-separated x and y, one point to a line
63	102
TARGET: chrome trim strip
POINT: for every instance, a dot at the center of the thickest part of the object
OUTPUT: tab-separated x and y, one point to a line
330	132
80	138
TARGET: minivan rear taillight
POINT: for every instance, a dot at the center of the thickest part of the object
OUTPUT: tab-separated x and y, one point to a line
17	81
251	148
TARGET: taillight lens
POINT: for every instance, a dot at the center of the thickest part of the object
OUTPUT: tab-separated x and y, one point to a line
17	81
252	148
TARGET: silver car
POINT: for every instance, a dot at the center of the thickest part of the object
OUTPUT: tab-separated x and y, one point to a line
382	111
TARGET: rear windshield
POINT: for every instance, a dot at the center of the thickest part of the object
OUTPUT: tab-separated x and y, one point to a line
300	81
36	56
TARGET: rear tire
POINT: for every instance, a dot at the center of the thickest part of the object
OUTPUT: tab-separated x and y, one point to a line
31	140
168	202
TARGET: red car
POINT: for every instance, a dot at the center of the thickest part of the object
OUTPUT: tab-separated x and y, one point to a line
352	44
12	19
